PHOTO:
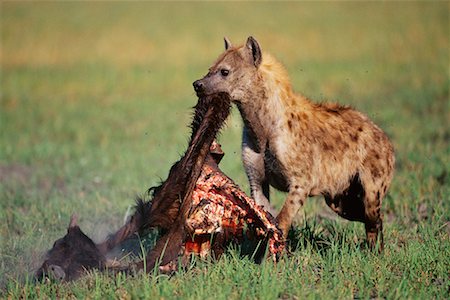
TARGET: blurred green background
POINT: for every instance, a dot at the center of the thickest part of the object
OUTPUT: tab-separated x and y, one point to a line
96	98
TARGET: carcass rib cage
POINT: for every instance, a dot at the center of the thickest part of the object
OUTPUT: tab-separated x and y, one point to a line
220	210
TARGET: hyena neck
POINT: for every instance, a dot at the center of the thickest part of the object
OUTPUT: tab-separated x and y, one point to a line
278	88
252	122
267	107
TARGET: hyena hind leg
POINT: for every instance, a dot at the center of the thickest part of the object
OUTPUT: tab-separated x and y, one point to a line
358	203
350	203
373	217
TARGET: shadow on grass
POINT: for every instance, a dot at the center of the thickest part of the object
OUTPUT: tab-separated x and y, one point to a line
320	235
136	247
311	234
324	235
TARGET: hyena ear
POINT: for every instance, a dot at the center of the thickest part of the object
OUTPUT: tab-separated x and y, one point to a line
227	43
255	50
73	221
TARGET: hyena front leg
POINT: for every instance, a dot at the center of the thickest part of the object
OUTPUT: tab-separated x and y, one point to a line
253	160
294	201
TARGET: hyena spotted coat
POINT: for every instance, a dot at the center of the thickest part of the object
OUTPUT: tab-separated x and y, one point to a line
301	147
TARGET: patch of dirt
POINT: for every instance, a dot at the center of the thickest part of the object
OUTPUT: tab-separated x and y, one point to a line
424	211
49	184
389	216
15	172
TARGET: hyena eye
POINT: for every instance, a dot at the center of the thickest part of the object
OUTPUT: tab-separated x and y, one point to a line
224	72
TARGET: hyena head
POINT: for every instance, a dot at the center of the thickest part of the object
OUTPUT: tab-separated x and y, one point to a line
235	72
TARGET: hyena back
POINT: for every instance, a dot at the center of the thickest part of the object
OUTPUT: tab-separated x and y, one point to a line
300	147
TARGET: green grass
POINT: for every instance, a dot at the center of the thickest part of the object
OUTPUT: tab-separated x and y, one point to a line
95	102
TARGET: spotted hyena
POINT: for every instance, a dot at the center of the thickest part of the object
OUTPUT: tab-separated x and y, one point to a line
301	147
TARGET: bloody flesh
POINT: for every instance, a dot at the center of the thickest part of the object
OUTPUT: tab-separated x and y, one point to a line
220	207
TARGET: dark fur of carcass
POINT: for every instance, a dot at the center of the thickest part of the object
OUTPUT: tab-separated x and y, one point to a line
71	255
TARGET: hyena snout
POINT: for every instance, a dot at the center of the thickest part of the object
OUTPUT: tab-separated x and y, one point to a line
208	85
199	87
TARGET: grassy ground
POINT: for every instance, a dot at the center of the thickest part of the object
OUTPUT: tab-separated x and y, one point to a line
95	99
